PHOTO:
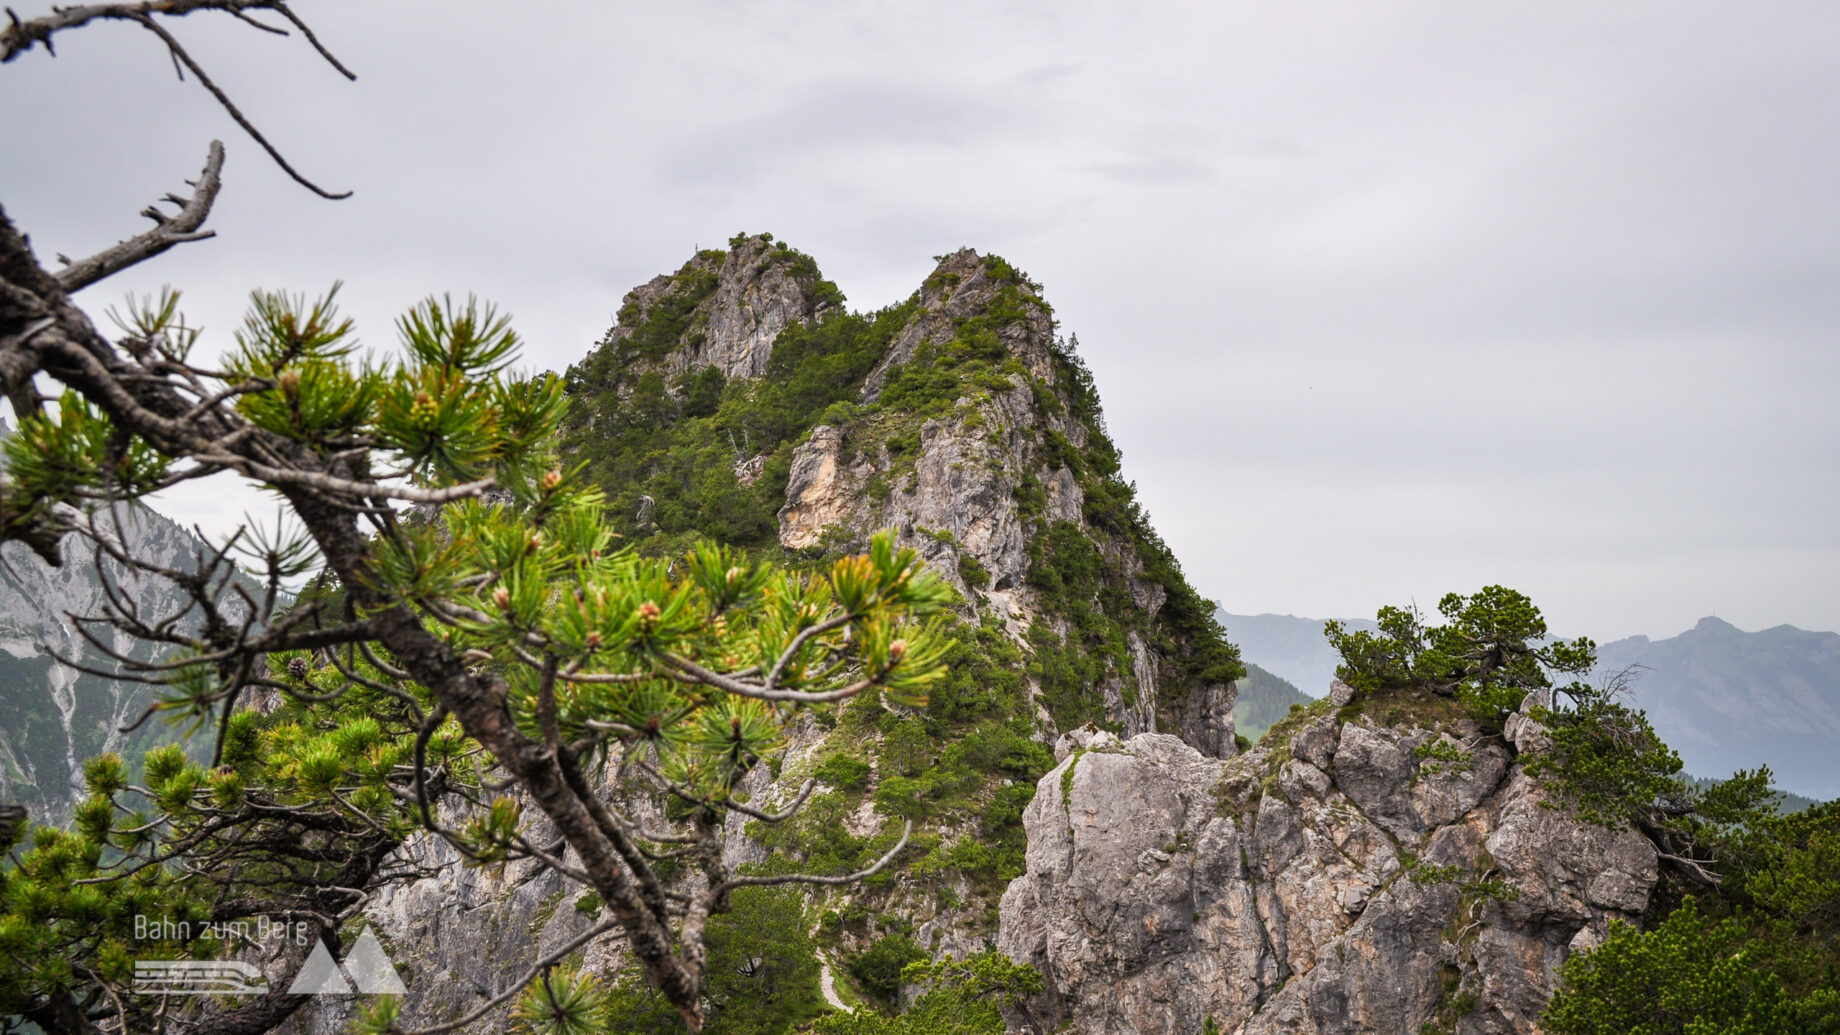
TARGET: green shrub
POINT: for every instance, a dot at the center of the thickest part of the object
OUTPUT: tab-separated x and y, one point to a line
972	570
878	968
844	772
1688	976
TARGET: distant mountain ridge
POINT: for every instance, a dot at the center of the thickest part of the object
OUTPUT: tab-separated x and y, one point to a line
1724	698
1728	699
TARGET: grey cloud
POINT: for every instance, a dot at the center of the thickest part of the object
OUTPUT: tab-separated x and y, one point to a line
1153	169
844	115
1382	301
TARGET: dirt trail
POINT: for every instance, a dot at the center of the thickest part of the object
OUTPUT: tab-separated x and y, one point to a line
826	983
829	985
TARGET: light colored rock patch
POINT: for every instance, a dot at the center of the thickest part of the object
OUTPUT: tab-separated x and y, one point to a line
1339	883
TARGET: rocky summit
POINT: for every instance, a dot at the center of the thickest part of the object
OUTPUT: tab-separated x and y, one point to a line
735	398
1079	795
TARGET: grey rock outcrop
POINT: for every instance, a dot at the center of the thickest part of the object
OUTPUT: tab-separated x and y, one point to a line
958	499
740	300
1342	877
961	288
462	935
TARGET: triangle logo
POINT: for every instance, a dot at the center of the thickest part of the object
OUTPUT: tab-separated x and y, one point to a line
320	975
370	967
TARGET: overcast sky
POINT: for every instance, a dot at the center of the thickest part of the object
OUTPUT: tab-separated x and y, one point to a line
1383	299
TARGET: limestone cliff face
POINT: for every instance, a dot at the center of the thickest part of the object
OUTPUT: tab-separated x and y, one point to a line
986	480
960	422
1344	876
954	418
721	310
52	716
969	464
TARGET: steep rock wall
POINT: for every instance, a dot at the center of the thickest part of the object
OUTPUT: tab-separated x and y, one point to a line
721	310
53	716
1345	876
956	419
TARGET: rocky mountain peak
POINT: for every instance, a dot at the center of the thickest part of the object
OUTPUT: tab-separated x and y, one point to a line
53	716
963	287
721	309
1712	625
736	398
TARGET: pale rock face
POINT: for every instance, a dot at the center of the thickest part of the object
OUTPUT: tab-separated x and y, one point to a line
1113	876
964	480
754	299
462	935
1525	732
1207	719
961	485
747	313
1272	892
1065	498
817	497
954	500
42	749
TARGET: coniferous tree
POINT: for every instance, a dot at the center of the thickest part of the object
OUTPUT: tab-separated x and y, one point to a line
469	666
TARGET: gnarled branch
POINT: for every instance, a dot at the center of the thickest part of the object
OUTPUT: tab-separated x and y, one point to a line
167	230
20	36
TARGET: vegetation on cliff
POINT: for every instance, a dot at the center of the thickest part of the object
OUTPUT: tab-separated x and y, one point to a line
677	440
505	647
1745	935
687	663
684	451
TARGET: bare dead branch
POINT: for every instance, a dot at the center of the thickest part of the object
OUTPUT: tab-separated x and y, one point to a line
20	36
167	231
180	54
288	13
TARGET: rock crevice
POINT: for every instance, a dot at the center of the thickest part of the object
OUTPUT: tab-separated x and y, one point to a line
1344	876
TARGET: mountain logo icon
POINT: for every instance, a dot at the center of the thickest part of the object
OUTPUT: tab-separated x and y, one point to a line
366	969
